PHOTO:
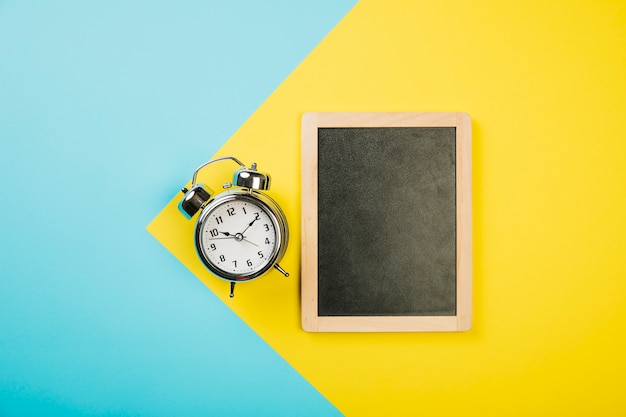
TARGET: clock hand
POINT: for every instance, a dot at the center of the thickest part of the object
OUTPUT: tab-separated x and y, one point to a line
238	237
251	223
252	243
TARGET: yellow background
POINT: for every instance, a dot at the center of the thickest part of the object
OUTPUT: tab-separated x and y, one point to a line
545	85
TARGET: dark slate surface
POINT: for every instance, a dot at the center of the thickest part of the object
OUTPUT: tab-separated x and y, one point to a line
387	222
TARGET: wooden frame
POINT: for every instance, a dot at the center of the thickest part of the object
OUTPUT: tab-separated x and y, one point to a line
311	321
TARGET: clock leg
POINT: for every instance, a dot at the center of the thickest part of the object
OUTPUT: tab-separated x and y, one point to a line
282	271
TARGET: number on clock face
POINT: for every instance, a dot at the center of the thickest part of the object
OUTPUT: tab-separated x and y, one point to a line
238	237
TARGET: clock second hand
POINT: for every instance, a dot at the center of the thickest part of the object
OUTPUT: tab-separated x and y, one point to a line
252	243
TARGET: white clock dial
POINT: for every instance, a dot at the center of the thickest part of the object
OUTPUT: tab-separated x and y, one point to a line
238	238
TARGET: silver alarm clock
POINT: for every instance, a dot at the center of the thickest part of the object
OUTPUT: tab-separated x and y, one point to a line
241	233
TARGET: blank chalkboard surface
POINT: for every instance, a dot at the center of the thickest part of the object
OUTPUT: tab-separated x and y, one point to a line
386	216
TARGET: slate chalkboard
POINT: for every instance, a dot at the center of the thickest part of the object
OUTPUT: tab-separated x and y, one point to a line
386	222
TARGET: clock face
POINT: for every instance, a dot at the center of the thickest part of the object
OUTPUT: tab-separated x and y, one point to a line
237	237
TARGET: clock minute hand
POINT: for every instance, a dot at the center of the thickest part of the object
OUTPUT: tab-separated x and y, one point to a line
251	223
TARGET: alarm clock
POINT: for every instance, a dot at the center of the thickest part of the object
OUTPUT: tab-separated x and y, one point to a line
241	233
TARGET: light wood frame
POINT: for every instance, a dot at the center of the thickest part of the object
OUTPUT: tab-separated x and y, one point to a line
311	321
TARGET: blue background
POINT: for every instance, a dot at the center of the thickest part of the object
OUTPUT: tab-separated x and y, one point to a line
106	108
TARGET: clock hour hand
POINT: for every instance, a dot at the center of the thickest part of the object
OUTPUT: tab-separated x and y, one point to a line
228	236
238	237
